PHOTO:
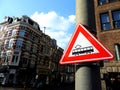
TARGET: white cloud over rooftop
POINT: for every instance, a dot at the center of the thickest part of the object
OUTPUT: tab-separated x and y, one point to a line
57	27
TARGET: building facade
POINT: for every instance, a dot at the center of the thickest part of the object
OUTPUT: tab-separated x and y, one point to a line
27	55
107	16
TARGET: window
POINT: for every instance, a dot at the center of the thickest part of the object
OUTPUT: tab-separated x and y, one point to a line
25	61
32	63
5	28
7	57
34	50
14	32
42	48
28	46
15	58
9	33
11	43
101	2
6	34
1	28
112	0
36	39
6	42
21	33
3	54
105	22
1	35
116	18
117	51
19	43
1	44
23	19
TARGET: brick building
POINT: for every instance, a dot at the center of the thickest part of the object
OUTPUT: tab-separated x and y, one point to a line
107	16
27	53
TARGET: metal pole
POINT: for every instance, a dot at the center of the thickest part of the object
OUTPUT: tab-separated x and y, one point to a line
87	76
85	13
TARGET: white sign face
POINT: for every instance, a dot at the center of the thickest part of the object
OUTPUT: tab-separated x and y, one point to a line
82	46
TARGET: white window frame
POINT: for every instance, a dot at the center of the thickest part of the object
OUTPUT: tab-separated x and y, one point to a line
16	55
11	43
14	32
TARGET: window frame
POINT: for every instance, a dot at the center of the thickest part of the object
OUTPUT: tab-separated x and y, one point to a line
11	41
117	51
15	58
105	21
19	43
21	33
102	2
116	18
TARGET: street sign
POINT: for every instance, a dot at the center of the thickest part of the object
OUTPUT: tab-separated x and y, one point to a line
84	47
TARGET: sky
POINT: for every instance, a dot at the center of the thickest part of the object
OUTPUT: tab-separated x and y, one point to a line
58	16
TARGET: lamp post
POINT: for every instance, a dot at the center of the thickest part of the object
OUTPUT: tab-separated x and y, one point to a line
51	66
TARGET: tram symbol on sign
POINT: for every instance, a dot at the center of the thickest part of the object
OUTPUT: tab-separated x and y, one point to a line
82	50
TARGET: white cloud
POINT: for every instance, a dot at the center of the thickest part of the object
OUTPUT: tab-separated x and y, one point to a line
57	27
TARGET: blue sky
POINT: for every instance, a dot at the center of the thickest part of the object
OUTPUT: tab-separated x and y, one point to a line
58	16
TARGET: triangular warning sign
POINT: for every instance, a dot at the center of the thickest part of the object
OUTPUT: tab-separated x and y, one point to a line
84	47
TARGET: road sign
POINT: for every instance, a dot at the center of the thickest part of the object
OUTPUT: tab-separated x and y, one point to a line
84	47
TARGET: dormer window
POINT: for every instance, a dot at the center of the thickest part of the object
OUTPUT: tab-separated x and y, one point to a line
30	21
23	19
36	25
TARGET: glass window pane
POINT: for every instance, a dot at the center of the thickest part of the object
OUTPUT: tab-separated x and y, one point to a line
19	43
22	33
104	18
14	32
116	18
112	0
101	2
116	15
105	22
106	26
10	43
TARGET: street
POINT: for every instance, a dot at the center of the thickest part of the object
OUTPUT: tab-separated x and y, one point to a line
11	88
64	87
